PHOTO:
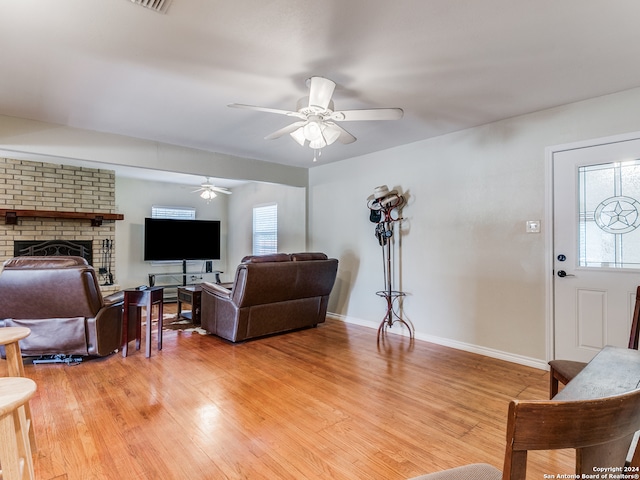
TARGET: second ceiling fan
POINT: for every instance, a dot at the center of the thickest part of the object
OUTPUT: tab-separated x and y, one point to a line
316	125
209	191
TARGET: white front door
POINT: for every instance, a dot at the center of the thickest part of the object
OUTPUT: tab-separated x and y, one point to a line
596	246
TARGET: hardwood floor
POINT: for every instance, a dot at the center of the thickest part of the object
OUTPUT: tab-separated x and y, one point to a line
323	403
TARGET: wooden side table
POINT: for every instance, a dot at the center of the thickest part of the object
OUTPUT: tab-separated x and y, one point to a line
192	296
137	299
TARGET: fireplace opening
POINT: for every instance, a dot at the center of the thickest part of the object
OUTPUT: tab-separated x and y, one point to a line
77	248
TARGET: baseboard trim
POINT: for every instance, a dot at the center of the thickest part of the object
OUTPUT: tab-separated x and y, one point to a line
446	342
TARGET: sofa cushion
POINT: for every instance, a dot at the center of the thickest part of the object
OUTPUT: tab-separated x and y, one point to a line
49	292
302	256
45	262
274	257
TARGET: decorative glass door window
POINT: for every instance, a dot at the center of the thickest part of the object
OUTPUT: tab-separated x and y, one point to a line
609	215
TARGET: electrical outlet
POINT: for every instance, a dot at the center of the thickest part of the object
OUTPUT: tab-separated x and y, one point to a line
533	226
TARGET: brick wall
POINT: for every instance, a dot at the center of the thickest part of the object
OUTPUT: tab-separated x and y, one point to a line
27	185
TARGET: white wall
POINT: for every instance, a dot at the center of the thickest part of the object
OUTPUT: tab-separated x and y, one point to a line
473	277
31	139
134	198
292	219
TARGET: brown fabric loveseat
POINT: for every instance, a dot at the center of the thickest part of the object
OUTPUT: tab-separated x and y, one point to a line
270	294
59	299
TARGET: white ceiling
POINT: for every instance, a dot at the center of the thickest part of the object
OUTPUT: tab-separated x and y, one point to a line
113	66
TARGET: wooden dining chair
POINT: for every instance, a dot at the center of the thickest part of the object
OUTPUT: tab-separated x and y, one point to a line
562	371
601	430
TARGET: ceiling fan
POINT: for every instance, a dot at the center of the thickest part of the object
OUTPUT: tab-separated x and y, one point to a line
209	190
317	116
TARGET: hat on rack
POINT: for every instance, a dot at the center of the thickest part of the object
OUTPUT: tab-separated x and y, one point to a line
383	191
392	200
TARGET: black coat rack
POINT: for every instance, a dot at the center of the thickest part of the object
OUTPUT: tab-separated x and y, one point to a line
382	206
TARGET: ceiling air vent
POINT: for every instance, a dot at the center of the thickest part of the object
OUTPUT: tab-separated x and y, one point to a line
160	6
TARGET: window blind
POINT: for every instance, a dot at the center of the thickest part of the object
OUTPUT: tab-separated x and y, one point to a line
178	213
265	229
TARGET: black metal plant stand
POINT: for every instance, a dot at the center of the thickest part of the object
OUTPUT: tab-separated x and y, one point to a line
384	232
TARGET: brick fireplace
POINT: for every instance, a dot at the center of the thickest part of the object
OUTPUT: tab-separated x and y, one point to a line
26	185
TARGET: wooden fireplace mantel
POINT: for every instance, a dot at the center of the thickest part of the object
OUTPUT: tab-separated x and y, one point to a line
11	215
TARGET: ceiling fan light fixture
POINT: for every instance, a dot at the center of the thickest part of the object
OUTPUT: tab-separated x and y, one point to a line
330	134
208	194
298	136
313	129
318	143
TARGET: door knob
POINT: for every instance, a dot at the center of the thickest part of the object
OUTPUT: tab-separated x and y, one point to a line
562	274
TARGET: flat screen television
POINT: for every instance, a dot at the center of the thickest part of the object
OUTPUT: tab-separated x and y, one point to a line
170	239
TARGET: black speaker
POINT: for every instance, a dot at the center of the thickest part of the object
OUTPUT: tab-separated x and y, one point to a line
208	266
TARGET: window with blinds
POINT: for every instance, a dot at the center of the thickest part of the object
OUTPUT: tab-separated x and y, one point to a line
265	229
177	213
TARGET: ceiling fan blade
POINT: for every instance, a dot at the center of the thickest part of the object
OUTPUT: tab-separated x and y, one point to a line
320	92
285	130
345	137
267	110
369	114
220	190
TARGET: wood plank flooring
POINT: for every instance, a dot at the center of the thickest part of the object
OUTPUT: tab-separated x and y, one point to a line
322	403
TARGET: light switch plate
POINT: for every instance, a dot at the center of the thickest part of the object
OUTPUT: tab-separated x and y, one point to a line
533	226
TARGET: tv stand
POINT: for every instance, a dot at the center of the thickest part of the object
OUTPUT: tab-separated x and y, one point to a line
181	279
184	275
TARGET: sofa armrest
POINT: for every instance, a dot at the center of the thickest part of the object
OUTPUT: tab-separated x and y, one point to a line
117	297
104	331
217	290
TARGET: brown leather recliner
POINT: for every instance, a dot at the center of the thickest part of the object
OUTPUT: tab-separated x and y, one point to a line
59	299
270	294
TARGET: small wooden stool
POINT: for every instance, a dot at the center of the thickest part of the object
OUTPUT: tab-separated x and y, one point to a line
9	338
15	448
